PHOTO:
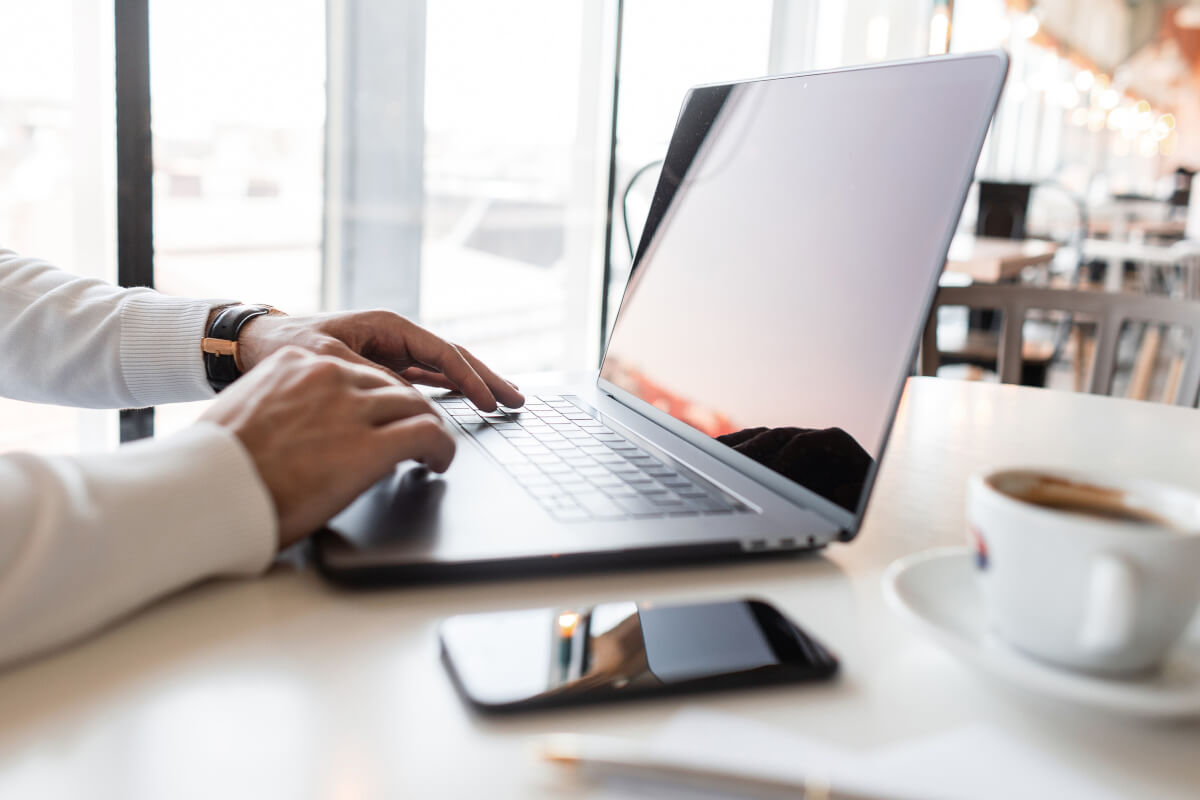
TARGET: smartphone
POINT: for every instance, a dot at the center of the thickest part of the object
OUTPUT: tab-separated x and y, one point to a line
513	660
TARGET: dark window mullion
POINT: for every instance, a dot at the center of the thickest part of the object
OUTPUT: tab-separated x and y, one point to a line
135	170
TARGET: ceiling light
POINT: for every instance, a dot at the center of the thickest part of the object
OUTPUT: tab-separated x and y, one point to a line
1188	17
1027	26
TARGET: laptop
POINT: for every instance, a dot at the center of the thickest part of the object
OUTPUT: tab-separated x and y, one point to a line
755	365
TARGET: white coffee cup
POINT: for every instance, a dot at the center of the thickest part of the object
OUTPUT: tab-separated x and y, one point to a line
1086	572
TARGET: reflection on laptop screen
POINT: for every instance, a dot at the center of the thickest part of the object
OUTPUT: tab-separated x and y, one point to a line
793	243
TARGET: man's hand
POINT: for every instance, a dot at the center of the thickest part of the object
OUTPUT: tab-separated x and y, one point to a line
381	339
321	430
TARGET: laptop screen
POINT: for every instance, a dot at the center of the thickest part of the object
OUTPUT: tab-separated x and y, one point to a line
791	251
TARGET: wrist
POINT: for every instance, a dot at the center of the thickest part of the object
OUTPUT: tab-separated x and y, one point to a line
221	346
259	338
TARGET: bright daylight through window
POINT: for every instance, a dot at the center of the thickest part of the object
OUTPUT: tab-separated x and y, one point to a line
449	159
57	176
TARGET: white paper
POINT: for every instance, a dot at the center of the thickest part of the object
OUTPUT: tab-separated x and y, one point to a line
976	762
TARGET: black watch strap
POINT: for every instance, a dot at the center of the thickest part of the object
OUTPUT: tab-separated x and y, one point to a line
220	346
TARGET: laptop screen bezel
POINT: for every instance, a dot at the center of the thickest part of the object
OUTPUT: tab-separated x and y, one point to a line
849	522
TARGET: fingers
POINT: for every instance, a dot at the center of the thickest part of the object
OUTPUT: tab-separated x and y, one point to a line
386	338
388	404
340	350
432	351
351	369
424	377
383	396
466	373
360	377
504	391
461	370
422	438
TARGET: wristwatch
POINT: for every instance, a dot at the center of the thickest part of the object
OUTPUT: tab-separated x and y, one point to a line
220	346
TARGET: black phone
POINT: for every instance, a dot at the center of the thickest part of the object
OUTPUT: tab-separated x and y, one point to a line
513	660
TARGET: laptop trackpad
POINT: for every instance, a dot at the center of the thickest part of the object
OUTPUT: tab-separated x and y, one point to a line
404	506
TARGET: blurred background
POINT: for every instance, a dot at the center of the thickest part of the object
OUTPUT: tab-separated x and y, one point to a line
469	163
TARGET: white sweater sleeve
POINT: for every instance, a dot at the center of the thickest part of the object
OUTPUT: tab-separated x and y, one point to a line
83	342
86	539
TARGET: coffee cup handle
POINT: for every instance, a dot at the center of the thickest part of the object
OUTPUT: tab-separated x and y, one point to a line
1111	607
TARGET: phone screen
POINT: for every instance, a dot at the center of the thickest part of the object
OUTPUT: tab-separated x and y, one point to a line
546	656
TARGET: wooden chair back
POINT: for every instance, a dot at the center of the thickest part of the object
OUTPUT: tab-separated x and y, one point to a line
1109	309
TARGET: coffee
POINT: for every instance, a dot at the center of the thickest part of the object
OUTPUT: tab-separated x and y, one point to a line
1085	572
1075	497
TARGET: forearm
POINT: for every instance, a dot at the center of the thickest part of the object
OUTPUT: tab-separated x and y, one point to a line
85	540
78	341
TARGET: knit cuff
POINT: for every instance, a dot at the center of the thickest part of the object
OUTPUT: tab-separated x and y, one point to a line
161	360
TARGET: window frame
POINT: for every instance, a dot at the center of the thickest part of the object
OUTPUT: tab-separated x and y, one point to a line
135	170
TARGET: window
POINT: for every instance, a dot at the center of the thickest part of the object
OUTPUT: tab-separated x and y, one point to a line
467	170
57	176
1060	117
447	159
669	46
238	121
444	158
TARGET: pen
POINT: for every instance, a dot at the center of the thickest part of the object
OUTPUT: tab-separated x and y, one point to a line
600	757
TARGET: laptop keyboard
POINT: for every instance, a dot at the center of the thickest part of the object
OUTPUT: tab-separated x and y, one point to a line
580	469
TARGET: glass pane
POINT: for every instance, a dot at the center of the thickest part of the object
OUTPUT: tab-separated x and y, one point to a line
1062	117
669	46
471	193
238	109
501	185
57	168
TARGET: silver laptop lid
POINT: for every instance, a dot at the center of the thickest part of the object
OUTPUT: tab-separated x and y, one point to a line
788	262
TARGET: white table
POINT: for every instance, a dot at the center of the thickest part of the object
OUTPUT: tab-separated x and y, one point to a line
1166	228
1184	253
991	259
284	687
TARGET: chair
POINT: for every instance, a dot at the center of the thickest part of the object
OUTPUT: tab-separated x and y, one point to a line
1003	208
1181	195
1011	211
638	173
1110	310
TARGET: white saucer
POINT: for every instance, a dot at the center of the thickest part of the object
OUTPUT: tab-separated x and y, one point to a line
935	592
